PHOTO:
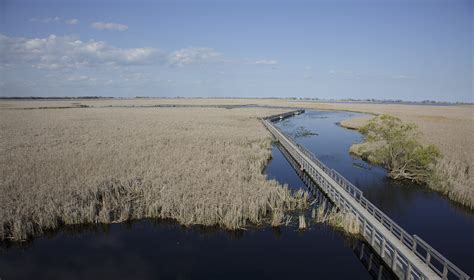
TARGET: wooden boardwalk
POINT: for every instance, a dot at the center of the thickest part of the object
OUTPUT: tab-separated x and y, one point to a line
408	256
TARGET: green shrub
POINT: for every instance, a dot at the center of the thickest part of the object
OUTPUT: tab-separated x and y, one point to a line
398	149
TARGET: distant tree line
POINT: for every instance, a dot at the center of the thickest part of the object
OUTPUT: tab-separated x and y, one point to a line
55	97
355	100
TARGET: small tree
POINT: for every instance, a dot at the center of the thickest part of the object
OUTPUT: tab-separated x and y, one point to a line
400	151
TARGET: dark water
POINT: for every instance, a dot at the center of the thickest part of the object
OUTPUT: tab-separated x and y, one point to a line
150	249
164	250
446	226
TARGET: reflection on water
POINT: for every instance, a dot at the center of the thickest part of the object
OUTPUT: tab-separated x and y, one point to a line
150	249
444	225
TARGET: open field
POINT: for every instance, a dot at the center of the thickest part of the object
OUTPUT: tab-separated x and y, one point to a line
102	165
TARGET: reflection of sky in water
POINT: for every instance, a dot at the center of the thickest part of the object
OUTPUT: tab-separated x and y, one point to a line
431	216
147	250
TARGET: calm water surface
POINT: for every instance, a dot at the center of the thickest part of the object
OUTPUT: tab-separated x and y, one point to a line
147	250
164	250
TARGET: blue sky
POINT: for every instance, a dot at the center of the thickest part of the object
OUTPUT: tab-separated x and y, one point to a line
411	50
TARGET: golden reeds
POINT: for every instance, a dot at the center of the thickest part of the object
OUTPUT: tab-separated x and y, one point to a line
344	221
194	165
450	128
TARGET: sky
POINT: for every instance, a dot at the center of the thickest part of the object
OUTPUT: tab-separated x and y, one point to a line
410	50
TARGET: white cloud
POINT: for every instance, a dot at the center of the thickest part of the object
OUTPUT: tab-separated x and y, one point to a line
46	19
340	72
194	56
72	21
308	68
67	52
78	78
266	62
55	20
378	76
109	26
402	77
54	52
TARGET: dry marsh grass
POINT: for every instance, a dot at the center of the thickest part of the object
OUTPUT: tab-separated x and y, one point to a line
195	165
343	221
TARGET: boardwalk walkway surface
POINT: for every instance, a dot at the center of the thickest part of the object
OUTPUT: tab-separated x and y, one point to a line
408	256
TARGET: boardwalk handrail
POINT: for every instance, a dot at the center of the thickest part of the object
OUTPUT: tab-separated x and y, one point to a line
428	255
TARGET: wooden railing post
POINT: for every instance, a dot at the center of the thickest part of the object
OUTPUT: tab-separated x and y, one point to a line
408	272
372	236
382	248
394	260
364	224
445	270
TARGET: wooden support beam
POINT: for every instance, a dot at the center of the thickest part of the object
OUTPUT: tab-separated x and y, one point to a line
380	272
370	262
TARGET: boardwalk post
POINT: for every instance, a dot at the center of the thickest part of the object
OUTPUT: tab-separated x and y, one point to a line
370	261
372	236
408	272
380	272
394	260
382	248
413	248
364	224
445	270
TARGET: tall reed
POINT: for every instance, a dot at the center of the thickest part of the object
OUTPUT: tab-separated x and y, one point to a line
194	165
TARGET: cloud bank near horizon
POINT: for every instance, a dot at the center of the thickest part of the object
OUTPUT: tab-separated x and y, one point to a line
59	52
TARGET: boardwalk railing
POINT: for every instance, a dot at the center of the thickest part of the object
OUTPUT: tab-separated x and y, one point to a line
408	255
